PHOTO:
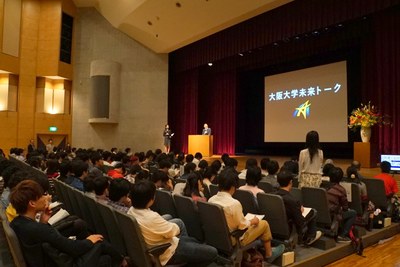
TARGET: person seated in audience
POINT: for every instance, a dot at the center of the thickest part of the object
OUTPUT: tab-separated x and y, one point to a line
162	181
97	164
216	166
29	199
305	226
253	176
325	171
64	172
142	175
156	231
117	158
88	185
134	170
356	164
194	187
233	210
79	171
388	180
352	177
263	165
338	205
189	158
231	164
197	157
272	168
203	164
101	185
164	165
117	172
250	162
118	194
107	158
209	176
188	169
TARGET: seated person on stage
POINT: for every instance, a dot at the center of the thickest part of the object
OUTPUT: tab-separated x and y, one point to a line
388	180
272	168
156	231
305	226
338	205
28	199
233	210
118	194
253	176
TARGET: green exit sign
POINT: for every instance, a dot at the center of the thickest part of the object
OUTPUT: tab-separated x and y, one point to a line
53	129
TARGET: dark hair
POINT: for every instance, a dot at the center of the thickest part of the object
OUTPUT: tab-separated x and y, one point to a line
327	168
189	167
189	158
159	176
263	163
24	192
106	155
231	162
95	157
227	179
78	167
251	162
52	166
203	164
336	175
164	164
224	158
142	175
192	185
284	177
118	188
312	143
141	194
216	165
352	174
291	166
88	185
198	155
100	184
386	166
272	167
23	175
253	175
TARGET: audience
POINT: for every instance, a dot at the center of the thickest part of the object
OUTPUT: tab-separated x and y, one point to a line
233	210
338	205
388	180
306	226
156	231
253	176
272	168
194	187
29	199
118	194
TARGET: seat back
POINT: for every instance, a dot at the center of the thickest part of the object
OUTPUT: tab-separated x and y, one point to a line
213	189
164	203
376	192
116	238
99	224
85	210
248	201
355	202
296	193
187	211
266	187
216	231
76	209
63	194
273	208
317	198
14	245
133	239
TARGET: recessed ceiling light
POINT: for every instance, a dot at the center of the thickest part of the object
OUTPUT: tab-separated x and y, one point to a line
210	64
178	4
150	23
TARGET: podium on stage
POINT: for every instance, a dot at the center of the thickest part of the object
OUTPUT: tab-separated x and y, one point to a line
202	144
366	154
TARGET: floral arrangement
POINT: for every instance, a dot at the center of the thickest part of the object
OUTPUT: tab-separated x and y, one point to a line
365	116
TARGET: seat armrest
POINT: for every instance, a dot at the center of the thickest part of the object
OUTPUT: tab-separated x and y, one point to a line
158	250
238	233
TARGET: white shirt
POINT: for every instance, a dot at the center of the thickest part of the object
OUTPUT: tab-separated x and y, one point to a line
156	231
233	210
305	164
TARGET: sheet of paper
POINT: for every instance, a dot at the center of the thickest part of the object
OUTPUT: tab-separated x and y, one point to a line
306	211
250	216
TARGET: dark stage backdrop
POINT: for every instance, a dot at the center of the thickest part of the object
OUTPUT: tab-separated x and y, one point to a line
229	95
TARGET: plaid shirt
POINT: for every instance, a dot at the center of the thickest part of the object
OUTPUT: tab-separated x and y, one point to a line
118	206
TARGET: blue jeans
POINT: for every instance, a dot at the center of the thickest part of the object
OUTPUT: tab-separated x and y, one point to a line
179	222
348	220
311	224
193	252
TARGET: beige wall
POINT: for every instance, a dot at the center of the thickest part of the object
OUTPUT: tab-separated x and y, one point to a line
143	91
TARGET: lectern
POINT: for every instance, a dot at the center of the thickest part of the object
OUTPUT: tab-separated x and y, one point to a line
202	144
366	154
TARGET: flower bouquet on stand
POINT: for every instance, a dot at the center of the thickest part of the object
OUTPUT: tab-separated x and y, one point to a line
365	117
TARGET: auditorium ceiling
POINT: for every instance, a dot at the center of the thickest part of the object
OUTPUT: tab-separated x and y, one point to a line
166	25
